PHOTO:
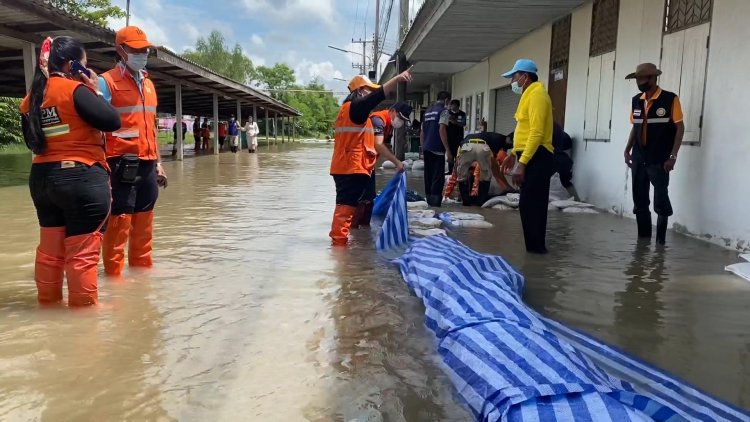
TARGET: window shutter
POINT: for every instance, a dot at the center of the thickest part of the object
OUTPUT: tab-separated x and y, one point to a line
592	97
606	90
694	61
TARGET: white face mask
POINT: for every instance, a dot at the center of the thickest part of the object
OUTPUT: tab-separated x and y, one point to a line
397	123
137	62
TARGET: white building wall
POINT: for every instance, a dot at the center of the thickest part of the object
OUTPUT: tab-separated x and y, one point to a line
471	81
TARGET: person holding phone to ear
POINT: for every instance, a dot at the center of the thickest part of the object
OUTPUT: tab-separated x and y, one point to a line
63	119
133	154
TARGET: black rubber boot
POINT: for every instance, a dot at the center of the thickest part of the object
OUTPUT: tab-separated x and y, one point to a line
661	229
434	200
644	225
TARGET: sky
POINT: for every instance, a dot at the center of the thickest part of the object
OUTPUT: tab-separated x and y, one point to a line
295	32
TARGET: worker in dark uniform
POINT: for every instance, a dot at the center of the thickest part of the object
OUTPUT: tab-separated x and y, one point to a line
563	144
435	148
456	127
652	149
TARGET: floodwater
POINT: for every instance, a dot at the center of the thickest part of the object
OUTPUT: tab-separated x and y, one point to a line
250	315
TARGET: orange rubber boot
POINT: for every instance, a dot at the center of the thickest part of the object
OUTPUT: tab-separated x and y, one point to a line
81	261
118	229
50	264
342	221
141	235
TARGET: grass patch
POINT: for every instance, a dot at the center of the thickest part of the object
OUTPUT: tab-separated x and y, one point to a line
11	149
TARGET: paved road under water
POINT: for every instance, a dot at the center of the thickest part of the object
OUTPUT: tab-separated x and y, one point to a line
249	314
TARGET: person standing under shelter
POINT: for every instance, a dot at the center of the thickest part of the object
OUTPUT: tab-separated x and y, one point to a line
652	148
354	153
532	158
456	126
435	148
252	129
234	134
174	136
132	154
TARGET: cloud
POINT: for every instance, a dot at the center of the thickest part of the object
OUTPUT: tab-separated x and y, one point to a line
294	10
256	40
307	70
153	30
257	60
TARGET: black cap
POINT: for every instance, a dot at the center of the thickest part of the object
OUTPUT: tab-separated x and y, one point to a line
404	111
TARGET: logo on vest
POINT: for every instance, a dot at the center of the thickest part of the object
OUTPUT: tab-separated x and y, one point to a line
637	112
661	112
50	116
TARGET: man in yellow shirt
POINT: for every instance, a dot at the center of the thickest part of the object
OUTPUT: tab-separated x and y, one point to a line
532	159
654	141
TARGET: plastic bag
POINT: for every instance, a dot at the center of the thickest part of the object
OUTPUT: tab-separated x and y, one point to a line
745	256
477	224
741	270
428	232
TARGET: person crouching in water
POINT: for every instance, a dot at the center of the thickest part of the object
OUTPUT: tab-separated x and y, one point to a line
354	153
383	123
63	120
475	165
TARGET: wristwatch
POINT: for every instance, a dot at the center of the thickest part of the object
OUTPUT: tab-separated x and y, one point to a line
672	157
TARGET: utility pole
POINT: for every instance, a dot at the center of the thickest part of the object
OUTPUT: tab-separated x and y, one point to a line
127	12
376	46
401	65
363	66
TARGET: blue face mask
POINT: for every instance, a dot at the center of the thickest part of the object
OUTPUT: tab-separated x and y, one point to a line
137	62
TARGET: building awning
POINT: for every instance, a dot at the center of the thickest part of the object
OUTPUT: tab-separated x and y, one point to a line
451	36
30	21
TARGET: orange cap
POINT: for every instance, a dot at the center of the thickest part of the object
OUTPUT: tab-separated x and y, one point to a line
360	81
133	37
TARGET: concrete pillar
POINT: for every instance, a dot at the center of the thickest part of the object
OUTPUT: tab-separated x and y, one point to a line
29	63
268	131
294	127
275	132
216	124
178	120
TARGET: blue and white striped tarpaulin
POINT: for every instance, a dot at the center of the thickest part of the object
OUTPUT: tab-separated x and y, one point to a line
511	364
390	206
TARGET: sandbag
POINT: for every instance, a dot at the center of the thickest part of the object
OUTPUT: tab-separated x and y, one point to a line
570	204
745	256
492	202
464	216
575	210
551	207
411	156
417	205
741	270
476	224
421	214
388	165
503	207
426	223
557	191
428	232
418	165
450	201
512	200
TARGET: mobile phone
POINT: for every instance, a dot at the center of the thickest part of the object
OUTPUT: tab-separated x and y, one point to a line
76	67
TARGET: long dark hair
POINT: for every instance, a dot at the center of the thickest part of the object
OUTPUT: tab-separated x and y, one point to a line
63	50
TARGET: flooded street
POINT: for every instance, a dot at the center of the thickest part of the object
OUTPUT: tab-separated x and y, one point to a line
249	314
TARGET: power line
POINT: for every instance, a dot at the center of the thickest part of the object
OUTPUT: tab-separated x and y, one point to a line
356	14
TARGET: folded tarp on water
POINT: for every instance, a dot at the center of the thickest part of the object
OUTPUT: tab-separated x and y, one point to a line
511	364
390	206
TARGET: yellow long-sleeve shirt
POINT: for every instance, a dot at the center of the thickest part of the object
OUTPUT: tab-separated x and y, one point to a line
534	122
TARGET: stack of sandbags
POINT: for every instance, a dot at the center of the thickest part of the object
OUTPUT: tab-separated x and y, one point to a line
464	219
742	269
417	205
411	156
422	223
418	165
573	207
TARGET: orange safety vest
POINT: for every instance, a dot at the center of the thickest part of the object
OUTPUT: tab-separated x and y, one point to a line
354	145
137	113
386	116
69	137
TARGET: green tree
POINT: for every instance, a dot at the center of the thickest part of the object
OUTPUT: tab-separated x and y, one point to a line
212	53
10	121
277	80
96	11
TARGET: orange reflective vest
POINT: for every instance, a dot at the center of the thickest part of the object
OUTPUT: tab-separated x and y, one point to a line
354	145
69	137
386	116
137	113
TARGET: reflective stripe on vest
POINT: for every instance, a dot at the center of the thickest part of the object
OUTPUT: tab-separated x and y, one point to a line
354	129
135	109
650	121
52	131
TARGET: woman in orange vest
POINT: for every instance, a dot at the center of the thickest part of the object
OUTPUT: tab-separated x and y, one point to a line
63	120
383	123
132	153
354	153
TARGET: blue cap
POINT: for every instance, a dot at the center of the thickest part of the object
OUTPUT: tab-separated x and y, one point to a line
404	110
522	65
